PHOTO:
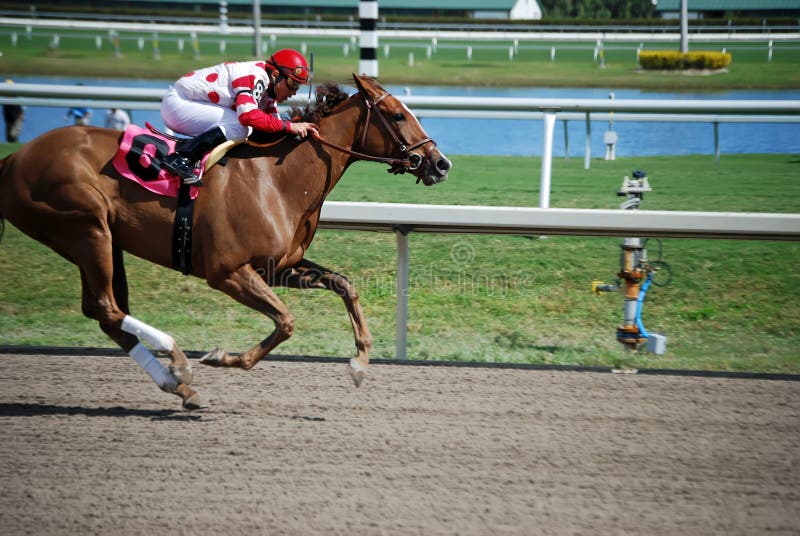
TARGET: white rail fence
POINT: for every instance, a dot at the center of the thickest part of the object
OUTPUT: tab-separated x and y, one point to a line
405	218
530	221
720	35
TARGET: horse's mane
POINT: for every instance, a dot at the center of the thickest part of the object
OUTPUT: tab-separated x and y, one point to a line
329	95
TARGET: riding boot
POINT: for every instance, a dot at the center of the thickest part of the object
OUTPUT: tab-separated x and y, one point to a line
183	162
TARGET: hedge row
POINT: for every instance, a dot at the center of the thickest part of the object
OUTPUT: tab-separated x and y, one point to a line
674	60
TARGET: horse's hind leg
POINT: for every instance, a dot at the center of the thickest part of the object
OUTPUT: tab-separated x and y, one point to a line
90	249
310	275
119	280
179	366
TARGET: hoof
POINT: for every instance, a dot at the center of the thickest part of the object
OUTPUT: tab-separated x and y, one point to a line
191	400
357	372
213	358
195	402
182	373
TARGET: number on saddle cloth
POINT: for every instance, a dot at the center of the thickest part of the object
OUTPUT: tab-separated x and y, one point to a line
140	153
145	155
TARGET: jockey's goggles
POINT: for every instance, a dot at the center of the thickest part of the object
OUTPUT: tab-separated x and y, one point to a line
294	77
291	83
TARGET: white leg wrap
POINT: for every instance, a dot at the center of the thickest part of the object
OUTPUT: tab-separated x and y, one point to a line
153	367
159	340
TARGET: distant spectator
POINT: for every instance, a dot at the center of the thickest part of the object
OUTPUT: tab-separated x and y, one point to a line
117	119
80	116
13	114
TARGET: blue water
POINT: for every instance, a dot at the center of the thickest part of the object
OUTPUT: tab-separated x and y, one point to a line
524	137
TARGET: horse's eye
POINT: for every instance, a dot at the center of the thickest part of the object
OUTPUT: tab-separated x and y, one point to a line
399	117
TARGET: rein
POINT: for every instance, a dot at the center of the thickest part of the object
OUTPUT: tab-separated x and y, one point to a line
362	156
408	162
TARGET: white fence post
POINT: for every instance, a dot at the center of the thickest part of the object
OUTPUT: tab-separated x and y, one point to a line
547	159
368	16
401	328
587	153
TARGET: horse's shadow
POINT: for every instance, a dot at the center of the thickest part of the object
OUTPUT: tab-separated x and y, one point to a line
38	410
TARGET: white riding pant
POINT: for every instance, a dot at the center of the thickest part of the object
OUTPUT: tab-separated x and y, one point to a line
192	118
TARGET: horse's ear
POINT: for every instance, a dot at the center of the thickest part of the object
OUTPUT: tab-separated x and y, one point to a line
359	83
367	85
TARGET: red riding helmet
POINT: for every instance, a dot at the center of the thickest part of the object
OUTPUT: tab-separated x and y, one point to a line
290	63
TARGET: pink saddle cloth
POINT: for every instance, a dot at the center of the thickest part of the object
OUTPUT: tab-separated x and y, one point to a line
139	159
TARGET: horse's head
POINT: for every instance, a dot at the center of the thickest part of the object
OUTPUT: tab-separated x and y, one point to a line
393	130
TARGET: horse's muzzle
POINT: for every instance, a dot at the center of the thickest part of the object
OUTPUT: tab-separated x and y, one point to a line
436	169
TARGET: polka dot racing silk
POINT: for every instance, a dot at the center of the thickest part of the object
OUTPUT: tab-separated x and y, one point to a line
240	86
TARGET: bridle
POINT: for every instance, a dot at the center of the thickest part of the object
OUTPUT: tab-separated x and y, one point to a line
407	162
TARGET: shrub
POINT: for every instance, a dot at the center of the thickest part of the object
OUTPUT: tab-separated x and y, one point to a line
674	60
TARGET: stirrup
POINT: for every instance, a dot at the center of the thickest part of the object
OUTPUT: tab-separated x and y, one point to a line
177	164
194	180
182	167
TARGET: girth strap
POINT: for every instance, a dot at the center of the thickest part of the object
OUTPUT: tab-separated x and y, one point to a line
182	231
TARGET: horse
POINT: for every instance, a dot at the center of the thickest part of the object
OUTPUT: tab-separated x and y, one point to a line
252	223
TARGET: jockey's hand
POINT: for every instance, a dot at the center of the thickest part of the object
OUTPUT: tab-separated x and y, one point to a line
303	129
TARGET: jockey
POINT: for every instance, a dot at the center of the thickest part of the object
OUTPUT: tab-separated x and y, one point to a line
229	100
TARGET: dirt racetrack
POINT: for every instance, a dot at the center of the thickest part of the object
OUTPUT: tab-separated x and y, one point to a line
88	445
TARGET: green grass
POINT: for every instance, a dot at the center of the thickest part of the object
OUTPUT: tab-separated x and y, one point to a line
731	305
574	65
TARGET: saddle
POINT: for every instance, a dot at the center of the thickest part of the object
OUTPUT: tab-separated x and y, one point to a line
139	159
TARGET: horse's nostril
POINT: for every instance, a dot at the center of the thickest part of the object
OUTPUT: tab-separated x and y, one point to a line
443	164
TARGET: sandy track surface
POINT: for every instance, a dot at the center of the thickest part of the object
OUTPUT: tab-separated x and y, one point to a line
88	445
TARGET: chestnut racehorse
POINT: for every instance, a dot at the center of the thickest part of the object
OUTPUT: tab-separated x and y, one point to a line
253	220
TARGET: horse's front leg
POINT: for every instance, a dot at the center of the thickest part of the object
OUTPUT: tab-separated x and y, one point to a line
246	286
307	274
